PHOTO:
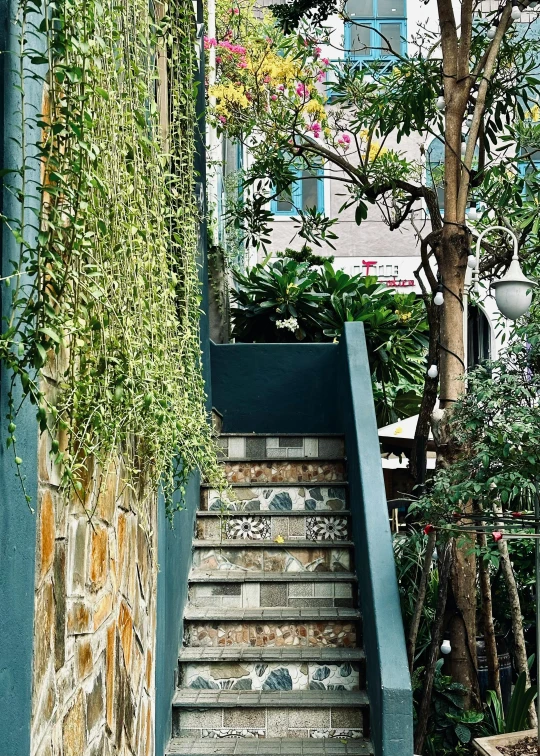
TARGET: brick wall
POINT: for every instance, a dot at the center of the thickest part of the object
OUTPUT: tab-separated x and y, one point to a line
95	617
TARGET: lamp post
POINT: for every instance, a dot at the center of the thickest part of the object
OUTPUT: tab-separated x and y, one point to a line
513	292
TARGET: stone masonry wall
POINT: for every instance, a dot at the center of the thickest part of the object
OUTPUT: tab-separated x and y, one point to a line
95	618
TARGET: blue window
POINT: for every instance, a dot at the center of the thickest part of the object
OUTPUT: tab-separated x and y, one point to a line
376	26
529	170
306	192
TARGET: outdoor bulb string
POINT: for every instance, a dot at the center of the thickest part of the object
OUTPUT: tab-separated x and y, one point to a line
449	351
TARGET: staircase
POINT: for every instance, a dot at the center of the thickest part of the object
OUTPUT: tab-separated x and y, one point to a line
272	661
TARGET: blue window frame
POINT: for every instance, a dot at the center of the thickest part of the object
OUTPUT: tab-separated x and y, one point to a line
370	19
306	192
529	167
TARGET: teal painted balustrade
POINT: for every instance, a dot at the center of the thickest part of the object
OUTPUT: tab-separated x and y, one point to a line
318	389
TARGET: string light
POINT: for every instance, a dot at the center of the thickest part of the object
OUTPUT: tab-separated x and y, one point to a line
440	104
446	648
492	31
516	12
433	371
471	261
438	299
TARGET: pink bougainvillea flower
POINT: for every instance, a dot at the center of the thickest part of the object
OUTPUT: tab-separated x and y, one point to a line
316	128
429	529
222	119
281	87
242	64
321	76
302	90
218	58
273	97
326	61
497	535
266	79
249	96
346	138
317	51
268	41
235	11
209	42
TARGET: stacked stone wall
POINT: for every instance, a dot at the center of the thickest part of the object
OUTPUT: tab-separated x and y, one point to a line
95	617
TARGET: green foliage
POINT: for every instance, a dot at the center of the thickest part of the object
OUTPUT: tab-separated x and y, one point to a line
451	729
305	255
286	300
409	555
518	711
497	425
106	279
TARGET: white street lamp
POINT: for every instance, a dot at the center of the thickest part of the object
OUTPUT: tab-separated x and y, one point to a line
513	292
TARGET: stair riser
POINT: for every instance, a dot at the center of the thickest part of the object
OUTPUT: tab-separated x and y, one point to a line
259	559
269	723
268	594
273	634
284	472
276	498
280	447
247	527
273	676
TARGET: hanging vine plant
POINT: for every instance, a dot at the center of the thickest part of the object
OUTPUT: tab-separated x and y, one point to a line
106	282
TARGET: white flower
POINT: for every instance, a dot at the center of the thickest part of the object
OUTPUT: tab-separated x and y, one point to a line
291	324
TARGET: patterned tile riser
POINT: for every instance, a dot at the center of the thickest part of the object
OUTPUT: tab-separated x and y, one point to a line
273	559
277	498
272	634
270	723
278	447
258	527
254	595
271	676
284	472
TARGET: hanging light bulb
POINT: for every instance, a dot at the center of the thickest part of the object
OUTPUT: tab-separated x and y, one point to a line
438	299
471	261
492	31
433	371
516	12
463	147
446	648
440	104
472	213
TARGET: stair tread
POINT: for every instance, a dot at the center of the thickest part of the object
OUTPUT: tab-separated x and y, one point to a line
275	512
272	460
270	614
269	747
283	483
260	543
203	698
245	576
270	654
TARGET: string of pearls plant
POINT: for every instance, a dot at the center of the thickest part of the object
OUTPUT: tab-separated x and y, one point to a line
105	285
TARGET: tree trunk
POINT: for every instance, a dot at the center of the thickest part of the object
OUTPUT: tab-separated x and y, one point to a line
417	615
445	563
520	650
487	621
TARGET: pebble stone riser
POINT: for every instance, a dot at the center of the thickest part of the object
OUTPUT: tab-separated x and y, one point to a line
272	594
269	723
331	633
284	472
290	675
259	559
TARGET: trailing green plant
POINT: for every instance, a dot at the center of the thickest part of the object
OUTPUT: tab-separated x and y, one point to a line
105	282
518	710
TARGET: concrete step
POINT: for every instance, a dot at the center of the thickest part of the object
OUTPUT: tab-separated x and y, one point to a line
276	497
274	614
270	714
263	556
287	591
286	674
312	654
269	747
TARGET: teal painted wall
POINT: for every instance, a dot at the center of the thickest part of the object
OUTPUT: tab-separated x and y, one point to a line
17	522
276	388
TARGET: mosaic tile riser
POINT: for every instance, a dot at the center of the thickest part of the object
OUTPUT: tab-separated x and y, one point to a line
335	634
257	527
273	560
277	498
271	594
273	676
284	472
